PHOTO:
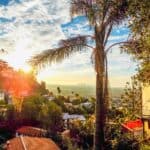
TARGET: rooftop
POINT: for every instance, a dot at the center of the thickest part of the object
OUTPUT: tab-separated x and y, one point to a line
31	131
73	116
31	143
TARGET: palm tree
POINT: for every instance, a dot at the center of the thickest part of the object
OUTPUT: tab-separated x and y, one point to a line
103	15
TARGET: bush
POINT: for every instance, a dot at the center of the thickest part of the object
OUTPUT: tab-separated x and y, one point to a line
128	144
5	134
51	117
48	113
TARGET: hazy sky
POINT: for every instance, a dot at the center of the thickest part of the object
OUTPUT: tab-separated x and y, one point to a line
29	26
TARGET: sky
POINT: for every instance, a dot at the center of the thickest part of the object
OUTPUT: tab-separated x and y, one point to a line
27	27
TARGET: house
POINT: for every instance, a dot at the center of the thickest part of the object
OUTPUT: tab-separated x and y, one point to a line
49	97
30	143
67	118
86	104
2	95
31	131
5	96
4	99
134	128
146	110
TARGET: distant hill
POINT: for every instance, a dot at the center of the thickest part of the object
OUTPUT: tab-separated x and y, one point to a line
83	90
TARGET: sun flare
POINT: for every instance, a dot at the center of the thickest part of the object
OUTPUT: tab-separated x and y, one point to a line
18	60
26	68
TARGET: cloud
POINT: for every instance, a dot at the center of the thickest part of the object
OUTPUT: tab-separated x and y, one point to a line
32	26
39	21
118	37
120	63
77	26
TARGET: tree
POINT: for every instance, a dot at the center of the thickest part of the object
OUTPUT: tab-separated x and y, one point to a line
3	67
103	15
38	109
82	132
58	90
11	112
132	99
31	107
139	48
51	117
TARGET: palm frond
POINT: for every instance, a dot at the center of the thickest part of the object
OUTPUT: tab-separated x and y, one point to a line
84	7
100	11
116	11
67	47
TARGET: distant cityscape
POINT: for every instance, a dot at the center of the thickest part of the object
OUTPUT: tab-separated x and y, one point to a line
83	90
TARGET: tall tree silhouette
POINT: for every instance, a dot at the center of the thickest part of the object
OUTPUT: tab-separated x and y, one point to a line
103	15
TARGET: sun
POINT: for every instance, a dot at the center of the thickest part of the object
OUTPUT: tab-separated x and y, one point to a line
20	55
18	60
26	68
21	66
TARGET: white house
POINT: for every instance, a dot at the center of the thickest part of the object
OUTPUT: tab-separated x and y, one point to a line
2	95
146	110
67	118
146	101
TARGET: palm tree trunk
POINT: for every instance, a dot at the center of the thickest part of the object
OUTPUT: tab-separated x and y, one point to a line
99	138
100	115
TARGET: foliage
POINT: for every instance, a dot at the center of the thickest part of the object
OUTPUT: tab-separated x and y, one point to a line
60	100
132	99
11	112
82	133
31	107
65	143
5	135
57	55
2	110
145	145
76	105
129	108
58	90
139	15
3	67
139	46
38	108
51	117
128	144
2	102
40	88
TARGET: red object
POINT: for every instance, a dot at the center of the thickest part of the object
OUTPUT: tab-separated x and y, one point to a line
131	125
31	131
134	124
